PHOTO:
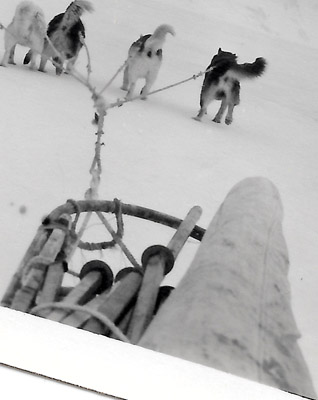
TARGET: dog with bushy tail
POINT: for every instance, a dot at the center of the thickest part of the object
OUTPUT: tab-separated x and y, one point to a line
222	82
65	34
28	28
144	60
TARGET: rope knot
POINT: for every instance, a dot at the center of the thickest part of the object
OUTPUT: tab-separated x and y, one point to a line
100	104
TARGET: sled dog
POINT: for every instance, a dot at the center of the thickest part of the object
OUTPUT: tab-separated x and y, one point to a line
28	28
222	82
65	32
144	60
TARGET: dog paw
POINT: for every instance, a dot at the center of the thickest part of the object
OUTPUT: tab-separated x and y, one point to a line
197	118
216	120
228	121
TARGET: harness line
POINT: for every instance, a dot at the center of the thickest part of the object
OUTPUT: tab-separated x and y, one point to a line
119	102
101	108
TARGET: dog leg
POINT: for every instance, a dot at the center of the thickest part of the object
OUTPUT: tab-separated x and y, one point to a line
71	61
125	84
220	113
206	97
203	111
58	65
46	54
229	115
5	58
144	91
43	63
150	80
131	91
33	60
70	64
9	45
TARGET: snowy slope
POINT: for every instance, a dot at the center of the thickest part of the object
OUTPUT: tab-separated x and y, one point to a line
155	155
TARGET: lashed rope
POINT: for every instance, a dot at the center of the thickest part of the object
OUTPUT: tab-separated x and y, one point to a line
111	243
94	313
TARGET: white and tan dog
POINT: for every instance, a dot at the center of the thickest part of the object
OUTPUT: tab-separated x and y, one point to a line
144	60
28	28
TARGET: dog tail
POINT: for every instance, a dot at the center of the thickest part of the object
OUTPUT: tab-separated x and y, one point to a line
34	14
74	12
156	40
25	8
248	70
162	30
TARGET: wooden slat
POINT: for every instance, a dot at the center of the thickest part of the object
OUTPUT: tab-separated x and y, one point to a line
119	299
16	281
81	293
52	284
77	318
33	283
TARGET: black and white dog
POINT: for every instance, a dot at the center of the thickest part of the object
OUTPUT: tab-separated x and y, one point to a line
222	82
28	28
65	32
144	60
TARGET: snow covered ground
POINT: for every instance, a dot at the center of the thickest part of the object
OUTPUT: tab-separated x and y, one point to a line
155	155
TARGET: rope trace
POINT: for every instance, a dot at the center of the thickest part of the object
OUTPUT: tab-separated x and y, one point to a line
101	108
106	86
120	102
96	166
96	95
94	313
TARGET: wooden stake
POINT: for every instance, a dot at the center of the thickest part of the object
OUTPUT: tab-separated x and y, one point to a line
96	276
158	261
78	318
117	302
184	231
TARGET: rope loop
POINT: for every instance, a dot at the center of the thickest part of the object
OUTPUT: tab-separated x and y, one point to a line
77	211
107	322
92	246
